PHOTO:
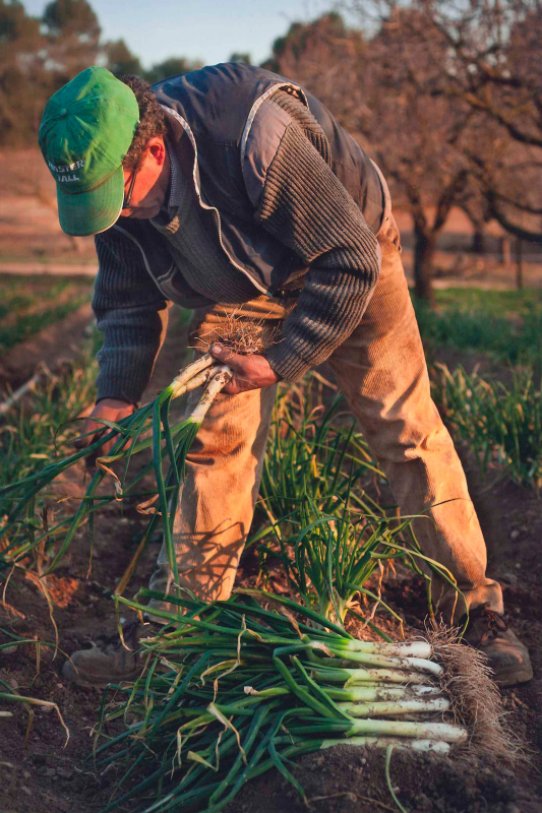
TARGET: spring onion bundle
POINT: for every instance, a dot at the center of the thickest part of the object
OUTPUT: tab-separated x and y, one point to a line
21	529
330	535
230	690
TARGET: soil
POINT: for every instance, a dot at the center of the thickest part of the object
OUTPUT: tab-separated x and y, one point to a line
352	780
40	773
29	228
47	349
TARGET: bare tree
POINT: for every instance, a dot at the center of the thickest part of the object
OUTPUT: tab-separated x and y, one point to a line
494	65
386	92
327	58
498	71
418	136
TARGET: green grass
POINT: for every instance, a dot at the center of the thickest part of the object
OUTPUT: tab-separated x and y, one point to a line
507	325
36	301
492	302
42	259
498	416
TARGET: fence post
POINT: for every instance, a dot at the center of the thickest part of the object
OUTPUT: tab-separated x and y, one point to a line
519	263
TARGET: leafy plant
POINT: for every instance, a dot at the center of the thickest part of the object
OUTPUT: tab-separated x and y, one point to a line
501	424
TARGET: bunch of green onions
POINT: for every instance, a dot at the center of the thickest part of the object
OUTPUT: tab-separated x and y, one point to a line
329	534
231	690
22	530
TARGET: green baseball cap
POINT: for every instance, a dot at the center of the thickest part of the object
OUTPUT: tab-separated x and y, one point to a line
85	132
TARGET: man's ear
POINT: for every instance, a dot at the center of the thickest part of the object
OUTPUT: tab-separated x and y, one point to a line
157	149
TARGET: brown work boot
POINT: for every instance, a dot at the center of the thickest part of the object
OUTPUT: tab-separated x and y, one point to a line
507	656
108	659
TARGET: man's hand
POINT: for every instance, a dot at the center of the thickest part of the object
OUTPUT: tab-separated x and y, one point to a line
109	409
249	372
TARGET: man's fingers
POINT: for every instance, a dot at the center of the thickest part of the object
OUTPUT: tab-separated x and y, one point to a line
233	387
89	433
93	427
222	353
84	439
249	372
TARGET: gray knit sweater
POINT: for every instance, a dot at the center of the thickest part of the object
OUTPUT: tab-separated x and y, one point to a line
304	207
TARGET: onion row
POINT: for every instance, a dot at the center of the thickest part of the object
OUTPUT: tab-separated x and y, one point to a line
21	530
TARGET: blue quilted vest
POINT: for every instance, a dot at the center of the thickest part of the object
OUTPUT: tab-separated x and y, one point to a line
216	106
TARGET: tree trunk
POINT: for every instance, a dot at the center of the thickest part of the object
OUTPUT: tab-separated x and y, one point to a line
424	251
478	245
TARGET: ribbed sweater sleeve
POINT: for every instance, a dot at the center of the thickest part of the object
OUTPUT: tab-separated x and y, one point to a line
305	206
128	308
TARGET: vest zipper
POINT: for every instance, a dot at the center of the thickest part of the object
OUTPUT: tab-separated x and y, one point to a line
186	127
216	214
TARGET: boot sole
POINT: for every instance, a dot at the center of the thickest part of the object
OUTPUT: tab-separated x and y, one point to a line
69	672
514	676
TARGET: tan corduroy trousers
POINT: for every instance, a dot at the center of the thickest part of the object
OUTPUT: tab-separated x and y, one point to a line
382	372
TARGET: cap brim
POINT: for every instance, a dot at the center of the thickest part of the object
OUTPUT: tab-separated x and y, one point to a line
87	213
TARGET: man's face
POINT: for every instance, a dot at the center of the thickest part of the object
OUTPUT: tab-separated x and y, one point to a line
148	181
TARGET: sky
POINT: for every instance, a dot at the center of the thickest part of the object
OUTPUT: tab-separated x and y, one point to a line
208	30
